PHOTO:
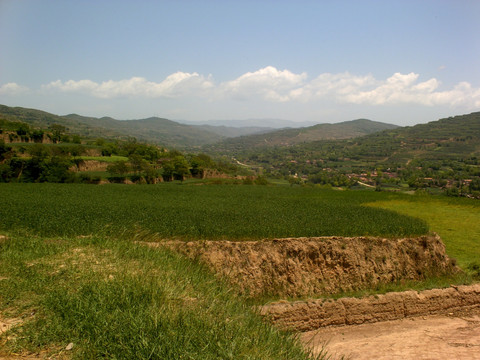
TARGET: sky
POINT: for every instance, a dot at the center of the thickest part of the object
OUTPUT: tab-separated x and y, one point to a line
402	62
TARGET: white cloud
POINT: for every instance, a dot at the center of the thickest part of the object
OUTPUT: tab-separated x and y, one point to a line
404	89
177	84
13	89
269	83
272	85
327	85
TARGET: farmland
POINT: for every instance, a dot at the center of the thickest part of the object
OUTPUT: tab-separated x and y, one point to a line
199	212
72	276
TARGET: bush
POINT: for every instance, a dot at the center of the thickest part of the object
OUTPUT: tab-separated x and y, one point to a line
136	178
261	181
89	179
117	179
247	181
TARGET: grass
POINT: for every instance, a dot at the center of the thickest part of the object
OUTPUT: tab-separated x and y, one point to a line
106	159
457	221
117	300
198	212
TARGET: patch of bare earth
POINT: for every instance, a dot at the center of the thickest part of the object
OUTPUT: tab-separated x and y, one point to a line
7	324
440	337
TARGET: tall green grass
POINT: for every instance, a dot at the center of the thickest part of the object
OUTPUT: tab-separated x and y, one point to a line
198	212
118	300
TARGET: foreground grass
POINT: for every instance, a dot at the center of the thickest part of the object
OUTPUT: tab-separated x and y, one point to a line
457	221
118	300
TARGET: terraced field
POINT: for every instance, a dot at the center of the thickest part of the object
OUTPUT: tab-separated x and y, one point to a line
73	284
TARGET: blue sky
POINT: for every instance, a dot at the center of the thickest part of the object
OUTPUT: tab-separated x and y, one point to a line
402	62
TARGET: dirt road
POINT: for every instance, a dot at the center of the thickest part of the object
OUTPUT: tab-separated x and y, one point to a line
433	337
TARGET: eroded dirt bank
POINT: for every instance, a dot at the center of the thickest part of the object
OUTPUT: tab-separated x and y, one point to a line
314	314
324	265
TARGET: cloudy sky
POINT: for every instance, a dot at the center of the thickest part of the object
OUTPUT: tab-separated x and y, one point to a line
402	62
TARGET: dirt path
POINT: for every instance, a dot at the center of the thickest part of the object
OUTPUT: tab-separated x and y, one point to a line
432	337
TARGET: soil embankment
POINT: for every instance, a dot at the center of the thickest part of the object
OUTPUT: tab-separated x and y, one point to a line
299	267
314	314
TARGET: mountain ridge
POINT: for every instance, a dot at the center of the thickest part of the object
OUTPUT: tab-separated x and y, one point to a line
173	134
289	137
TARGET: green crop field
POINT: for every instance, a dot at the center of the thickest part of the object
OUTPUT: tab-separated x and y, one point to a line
198	212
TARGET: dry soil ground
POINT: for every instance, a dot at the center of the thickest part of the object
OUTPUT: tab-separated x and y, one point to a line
455	336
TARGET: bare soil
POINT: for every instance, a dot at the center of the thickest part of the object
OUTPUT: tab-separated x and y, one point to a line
7	324
440	337
299	267
90	165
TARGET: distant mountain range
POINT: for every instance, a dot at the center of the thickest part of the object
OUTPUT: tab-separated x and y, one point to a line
289	137
253	123
349	143
437	144
240	133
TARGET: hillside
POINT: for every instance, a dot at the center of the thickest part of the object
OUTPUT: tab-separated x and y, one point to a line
153	130
246	123
453	138
289	137
42	120
443	154
231	131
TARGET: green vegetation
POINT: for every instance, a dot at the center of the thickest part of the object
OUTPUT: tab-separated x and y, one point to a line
456	221
117	300
107	159
70	269
198	212
153	130
288	137
443	155
140	163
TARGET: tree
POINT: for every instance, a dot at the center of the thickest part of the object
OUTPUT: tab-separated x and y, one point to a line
76	139
56	170
118	168
181	168
37	136
199	163
57	131
23	129
4	150
137	163
168	169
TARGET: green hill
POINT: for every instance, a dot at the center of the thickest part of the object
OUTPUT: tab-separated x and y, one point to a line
450	138
289	137
152	130
443	154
